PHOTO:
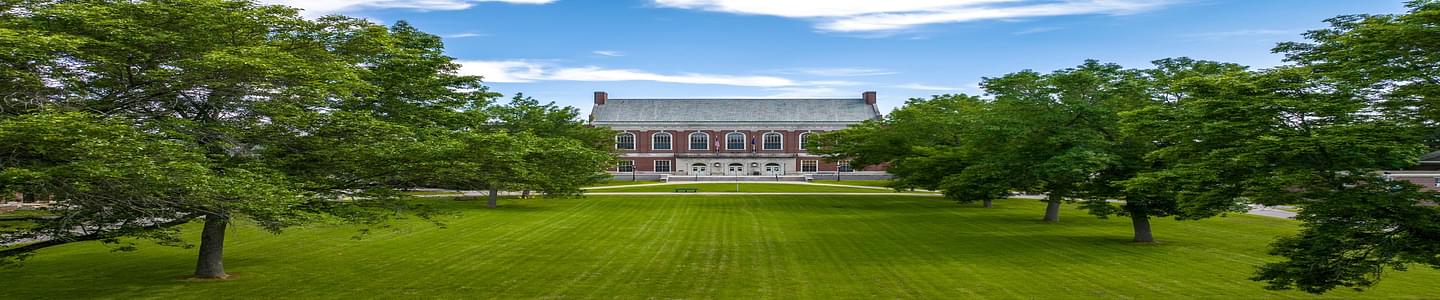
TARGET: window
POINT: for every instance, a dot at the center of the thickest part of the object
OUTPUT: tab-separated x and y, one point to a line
699	141
735	141
809	166
845	166
625	141
804	137
662	166
627	166
660	141
772	141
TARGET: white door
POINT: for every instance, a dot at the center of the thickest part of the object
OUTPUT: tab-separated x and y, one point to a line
772	169
698	170
736	170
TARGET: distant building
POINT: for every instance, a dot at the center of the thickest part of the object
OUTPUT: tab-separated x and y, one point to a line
728	137
1426	173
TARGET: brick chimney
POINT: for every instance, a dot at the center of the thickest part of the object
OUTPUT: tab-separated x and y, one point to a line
600	98
869	97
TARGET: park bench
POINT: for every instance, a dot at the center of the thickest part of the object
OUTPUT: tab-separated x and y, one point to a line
686	190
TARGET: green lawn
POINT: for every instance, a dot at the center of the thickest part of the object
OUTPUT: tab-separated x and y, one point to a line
739	246
874	183
744	187
431	193
23	214
624	182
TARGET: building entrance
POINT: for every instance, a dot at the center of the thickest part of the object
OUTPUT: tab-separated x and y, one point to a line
773	169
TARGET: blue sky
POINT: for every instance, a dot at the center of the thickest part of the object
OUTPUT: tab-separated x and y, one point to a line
563	50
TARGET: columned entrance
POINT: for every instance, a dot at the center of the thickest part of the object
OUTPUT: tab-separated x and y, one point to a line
699	170
735	170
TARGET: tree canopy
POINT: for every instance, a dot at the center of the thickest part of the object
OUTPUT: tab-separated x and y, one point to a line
1195	139
135	116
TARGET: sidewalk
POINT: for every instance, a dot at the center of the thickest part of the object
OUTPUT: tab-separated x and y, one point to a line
1254	209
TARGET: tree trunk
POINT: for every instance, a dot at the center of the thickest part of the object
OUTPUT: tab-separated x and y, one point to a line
1141	222
1052	209
494	197
212	247
988	203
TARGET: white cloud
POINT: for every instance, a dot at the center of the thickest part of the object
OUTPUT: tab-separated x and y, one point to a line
971	88
890	15
326	7
926	87
502	71
1036	30
608	53
844	72
510	71
807	92
465	35
1243	33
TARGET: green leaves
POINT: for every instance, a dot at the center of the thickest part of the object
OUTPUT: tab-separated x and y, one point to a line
227	108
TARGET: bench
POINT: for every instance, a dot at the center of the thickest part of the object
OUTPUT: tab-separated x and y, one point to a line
686	190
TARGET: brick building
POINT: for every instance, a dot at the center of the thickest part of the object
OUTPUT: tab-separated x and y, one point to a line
728	137
1426	173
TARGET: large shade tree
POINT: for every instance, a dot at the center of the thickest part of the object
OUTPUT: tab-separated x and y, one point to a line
1363	99
1288	136
223	111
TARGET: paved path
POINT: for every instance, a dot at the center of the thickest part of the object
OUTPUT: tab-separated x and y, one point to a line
1254	209
1261	210
743	182
745	193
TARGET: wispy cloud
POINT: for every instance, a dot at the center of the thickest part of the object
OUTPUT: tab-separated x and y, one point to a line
465	35
325	7
871	16
807	92
510	71
927	87
505	71
610	53
1036	30
842	72
1244	33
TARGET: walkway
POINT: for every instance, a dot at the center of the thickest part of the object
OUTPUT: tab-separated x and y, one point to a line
742	182
747	193
1254	209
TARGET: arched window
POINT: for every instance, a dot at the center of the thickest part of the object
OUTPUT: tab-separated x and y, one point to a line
773	141
735	141
660	141
804	137
699	141
625	141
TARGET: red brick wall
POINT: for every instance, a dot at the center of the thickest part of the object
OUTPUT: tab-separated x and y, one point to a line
680	141
1426	181
644	164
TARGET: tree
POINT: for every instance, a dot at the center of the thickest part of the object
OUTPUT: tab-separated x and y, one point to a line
1288	136
908	140
546	148
251	111
1361	98
115	181
1056	133
1391	60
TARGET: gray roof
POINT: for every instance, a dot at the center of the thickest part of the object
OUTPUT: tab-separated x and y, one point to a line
1432	156
733	110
